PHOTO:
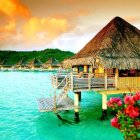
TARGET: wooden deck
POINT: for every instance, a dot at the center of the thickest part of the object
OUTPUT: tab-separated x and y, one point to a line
118	91
48	104
84	83
97	83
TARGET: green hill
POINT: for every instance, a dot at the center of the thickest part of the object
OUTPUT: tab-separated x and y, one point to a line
13	57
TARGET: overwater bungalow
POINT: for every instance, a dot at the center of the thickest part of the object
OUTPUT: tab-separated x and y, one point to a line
51	64
18	64
30	64
37	64
1	63
7	66
33	64
108	64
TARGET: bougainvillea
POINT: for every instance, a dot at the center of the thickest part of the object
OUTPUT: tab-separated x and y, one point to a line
127	118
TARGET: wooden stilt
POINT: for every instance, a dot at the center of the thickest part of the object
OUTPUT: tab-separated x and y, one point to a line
104	107
79	96
76	104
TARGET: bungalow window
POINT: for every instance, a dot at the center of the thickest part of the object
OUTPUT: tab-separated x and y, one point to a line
80	69
110	72
123	73
129	73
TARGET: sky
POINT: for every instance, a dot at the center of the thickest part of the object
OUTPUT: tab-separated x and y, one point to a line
27	25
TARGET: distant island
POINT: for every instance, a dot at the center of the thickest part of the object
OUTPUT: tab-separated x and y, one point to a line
13	57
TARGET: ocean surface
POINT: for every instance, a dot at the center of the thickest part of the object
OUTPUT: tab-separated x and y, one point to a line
21	120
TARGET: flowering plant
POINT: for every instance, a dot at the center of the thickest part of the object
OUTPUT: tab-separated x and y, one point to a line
127	118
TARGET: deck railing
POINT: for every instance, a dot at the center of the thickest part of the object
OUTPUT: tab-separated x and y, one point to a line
95	82
85	82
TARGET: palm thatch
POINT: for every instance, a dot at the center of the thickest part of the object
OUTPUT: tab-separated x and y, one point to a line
6	64
37	63
1	62
30	64
117	45
18	64
24	63
52	62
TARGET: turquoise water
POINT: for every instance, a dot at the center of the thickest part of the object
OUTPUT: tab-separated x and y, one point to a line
20	119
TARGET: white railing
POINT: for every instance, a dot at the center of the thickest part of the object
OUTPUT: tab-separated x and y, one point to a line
59	81
86	81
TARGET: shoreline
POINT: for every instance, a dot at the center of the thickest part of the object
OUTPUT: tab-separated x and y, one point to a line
27	70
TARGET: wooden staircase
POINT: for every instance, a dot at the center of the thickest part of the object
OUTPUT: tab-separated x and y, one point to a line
58	102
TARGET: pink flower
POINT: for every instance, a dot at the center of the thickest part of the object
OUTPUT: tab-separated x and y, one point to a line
132	111
120	103
129	99
137	96
114	122
114	102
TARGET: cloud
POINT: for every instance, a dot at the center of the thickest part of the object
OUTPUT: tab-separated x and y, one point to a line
45	29
34	24
10	27
132	19
14	8
35	30
10	11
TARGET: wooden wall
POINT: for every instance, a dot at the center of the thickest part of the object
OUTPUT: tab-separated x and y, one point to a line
129	82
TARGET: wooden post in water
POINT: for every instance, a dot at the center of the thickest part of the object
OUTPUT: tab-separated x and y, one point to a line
104	107
79	96
76	104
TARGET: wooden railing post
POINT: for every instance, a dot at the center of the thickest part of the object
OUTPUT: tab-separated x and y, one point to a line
54	101
52	80
89	82
56	81
71	81
105	81
116	80
66	82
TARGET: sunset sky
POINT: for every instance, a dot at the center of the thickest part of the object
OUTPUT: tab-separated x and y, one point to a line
64	24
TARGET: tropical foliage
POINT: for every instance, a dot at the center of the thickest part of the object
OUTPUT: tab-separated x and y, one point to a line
127	118
12	57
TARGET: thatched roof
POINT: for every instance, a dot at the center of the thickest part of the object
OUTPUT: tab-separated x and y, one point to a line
6	63
51	62
32	63
2	62
116	45
19	63
37	63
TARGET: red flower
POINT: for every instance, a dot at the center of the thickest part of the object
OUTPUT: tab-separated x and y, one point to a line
129	99
137	123
114	122
132	111
137	96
